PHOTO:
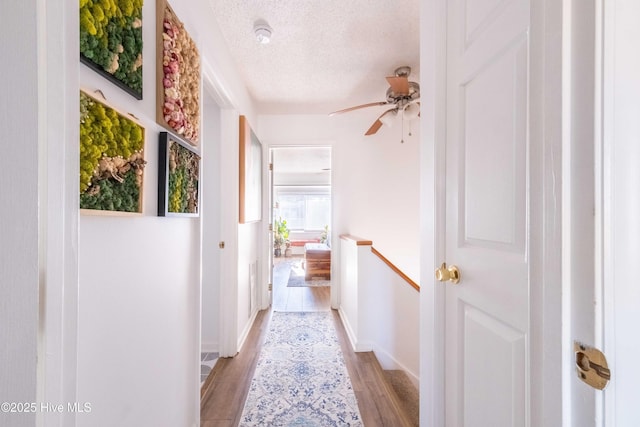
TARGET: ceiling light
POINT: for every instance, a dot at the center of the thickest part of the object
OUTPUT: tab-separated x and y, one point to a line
411	111
387	118
262	31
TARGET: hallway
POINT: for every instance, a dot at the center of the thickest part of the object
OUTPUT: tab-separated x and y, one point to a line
228	384
226	390
303	298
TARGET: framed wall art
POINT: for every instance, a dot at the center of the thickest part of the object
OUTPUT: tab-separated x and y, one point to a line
178	77
111	41
178	177
111	159
250	174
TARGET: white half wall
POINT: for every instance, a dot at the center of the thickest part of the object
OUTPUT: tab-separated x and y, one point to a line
392	317
380	310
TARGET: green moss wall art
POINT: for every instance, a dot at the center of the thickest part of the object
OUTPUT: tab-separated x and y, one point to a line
111	159
178	177
178	76
111	41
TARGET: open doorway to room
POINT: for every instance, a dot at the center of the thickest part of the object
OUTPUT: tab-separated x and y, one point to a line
301	246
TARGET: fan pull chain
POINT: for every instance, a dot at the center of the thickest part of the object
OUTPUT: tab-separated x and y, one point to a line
402	138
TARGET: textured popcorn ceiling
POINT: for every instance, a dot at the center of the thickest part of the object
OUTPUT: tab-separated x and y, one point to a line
324	55
302	159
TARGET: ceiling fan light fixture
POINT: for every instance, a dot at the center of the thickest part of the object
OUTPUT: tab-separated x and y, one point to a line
263	31
387	118
411	111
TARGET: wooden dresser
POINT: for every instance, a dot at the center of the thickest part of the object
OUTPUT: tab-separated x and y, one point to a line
317	261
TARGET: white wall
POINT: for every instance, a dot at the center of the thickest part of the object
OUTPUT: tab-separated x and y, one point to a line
148	320
380	310
241	243
349	290
19	223
375	179
250	263
139	298
138	334
392	318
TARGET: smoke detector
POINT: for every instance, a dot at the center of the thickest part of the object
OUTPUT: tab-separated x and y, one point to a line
263	31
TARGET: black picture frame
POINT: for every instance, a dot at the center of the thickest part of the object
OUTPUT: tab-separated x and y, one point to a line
113	79
176	163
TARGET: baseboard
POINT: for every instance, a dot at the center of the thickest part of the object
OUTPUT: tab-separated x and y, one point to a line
388	362
358	346
347	328
209	347
247	329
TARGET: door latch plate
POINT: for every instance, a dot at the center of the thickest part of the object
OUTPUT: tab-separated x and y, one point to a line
591	366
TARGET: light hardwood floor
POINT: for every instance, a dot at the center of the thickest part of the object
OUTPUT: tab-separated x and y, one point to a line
297	298
228	385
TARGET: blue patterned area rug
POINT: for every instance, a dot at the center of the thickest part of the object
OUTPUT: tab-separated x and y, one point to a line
301	378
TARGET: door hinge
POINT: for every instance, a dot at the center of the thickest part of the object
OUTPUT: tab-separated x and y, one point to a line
591	366
270	227
270	166
221	245
270	287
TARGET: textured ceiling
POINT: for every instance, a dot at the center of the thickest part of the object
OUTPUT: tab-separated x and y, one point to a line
301	166
302	159
324	55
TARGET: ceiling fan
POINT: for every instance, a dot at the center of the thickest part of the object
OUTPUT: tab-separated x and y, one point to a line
402	94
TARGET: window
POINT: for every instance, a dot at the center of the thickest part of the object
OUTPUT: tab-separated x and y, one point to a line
304	208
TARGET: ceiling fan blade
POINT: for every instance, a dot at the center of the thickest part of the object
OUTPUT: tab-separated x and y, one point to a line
375	127
400	85
357	107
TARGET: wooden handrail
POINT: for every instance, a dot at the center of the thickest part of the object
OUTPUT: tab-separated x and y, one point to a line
358	241
363	242
396	269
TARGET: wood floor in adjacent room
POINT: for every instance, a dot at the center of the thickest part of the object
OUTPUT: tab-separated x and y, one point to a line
228	384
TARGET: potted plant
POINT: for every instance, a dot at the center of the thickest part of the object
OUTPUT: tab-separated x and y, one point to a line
324	236
280	236
278	241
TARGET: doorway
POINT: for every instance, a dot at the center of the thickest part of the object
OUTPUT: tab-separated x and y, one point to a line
301	220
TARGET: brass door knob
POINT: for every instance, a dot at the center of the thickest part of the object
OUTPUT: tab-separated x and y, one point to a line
450	274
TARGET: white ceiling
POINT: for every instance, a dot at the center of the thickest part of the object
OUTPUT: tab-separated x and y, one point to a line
301	159
302	166
324	55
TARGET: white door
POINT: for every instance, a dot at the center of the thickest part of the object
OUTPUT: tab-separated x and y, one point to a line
487	157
